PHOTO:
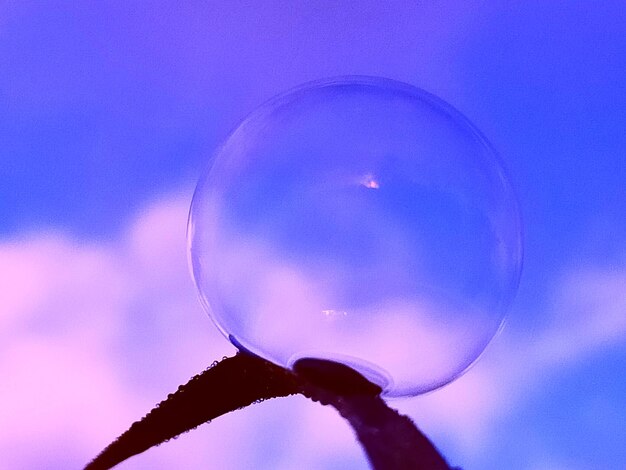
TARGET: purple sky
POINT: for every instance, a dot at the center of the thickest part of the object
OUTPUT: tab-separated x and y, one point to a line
109	112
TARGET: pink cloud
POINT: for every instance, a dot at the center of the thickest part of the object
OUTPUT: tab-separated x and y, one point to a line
587	317
288	310
92	335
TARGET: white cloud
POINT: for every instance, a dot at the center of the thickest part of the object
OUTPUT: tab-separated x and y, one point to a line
586	318
92	335
287	310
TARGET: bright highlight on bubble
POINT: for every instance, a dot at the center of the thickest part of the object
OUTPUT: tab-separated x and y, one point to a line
360	220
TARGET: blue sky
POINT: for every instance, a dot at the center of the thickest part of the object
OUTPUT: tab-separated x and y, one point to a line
108	114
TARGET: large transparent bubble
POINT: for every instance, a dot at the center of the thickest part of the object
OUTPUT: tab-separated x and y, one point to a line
360	220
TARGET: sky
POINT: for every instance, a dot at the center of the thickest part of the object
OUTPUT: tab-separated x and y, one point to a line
110	111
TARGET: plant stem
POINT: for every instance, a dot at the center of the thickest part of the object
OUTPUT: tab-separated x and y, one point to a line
391	441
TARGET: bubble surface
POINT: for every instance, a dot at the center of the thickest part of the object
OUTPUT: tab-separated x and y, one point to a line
361	220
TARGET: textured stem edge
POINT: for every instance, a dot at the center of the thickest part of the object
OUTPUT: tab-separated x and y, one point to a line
391	441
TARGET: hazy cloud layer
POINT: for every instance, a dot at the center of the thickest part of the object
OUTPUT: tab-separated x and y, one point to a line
92	335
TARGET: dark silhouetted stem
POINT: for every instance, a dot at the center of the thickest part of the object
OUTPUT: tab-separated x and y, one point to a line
231	384
391	441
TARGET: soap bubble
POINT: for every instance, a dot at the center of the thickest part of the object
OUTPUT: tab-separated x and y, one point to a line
360	220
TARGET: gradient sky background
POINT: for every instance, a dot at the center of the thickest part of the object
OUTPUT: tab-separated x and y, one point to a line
109	112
